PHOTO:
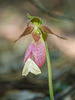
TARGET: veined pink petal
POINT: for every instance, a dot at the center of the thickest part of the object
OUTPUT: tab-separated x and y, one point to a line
37	53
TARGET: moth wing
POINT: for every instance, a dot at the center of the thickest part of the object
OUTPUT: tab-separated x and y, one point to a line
34	68
30	66
26	68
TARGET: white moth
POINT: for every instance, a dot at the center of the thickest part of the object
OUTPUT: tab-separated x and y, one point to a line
30	66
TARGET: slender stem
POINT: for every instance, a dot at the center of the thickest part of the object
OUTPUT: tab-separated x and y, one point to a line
49	73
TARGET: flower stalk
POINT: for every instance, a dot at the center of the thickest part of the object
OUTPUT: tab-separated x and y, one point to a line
49	73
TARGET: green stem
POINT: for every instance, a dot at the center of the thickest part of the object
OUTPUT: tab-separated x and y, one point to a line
49	73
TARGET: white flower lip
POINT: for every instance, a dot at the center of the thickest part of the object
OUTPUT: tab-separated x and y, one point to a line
30	66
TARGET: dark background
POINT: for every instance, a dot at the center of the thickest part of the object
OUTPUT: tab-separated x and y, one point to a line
59	16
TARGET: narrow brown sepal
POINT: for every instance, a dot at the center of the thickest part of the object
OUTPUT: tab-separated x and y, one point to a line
27	31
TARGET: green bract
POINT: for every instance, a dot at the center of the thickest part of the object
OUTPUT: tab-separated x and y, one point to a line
34	19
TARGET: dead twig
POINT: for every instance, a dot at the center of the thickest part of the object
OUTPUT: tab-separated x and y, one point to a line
39	5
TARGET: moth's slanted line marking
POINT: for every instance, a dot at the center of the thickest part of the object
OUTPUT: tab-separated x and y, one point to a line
35	69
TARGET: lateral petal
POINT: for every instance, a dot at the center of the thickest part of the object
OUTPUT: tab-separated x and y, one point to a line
27	31
47	30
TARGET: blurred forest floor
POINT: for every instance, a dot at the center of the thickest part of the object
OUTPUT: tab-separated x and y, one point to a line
59	16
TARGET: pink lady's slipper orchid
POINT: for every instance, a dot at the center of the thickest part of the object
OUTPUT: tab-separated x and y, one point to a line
38	50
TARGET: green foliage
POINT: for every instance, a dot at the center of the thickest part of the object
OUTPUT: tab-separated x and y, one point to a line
58	86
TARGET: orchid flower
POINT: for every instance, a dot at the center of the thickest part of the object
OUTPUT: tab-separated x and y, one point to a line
34	58
37	52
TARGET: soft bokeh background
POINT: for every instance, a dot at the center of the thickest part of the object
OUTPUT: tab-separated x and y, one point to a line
59	16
